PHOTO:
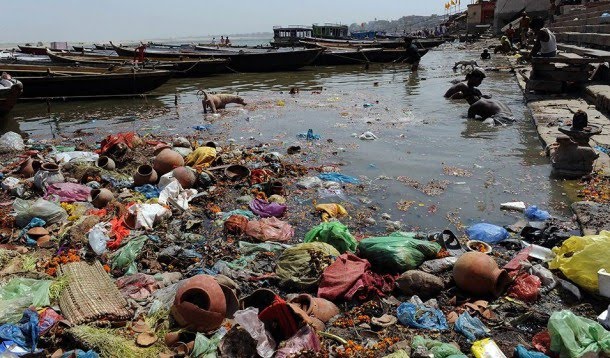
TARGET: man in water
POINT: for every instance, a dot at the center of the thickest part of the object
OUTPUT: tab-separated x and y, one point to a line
486	108
469	87
546	44
485	55
413	56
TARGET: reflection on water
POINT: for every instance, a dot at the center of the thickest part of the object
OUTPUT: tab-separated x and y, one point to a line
420	133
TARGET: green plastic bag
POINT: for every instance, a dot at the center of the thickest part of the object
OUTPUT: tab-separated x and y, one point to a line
580	258
573	336
125	257
398	252
335	234
20	293
437	348
301	266
207	347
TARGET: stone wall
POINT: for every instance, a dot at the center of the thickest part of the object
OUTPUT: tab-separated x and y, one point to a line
507	9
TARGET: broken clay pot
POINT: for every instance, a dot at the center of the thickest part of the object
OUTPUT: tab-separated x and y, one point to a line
477	273
200	304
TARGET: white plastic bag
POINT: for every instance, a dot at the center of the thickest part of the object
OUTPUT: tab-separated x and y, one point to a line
26	210
98	238
11	142
249	321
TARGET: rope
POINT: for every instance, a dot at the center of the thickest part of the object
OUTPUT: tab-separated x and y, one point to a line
350	58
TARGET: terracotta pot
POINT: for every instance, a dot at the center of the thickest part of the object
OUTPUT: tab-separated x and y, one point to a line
145	175
172	338
185	176
37	231
277	188
50	167
48	174
44	242
200	304
29	167
105	163
237	172
319	308
100	197
231	300
167	160
478	274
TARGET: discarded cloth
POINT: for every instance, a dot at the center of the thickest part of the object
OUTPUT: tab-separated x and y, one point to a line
236	224
265	209
128	139
269	229
333	233
67	192
147	215
201	158
305	339
295	267
339	178
249	320
331	211
174	194
138	286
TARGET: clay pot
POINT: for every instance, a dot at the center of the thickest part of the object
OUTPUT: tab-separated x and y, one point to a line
47	175
44	242
100	197
50	167
478	274
146	339
200	304
277	188
172	338
145	175
185	176
167	160
37	232
105	163
237	172
231	300
319	308
29	167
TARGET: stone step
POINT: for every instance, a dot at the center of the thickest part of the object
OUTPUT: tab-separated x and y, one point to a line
589	39
585	14
599	95
584	51
577	21
582	28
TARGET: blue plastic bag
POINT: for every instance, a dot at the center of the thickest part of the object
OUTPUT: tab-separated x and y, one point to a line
25	333
521	352
535	214
148	190
488	233
421	316
471	327
339	178
309	135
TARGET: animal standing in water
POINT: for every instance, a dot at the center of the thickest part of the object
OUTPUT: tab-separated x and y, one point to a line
219	101
472	63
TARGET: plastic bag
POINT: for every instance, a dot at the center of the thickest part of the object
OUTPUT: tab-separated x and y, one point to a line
535	214
522	352
331	211
486	348
335	234
397	253
437	348
98	238
11	142
206	347
573	336
338	178
580	258
421	316
471	327
270	229
25	333
265	209
125	257
20	293
77	353
488	233
305	339
526	288
147	215
48	211
295	266
309	182
249	321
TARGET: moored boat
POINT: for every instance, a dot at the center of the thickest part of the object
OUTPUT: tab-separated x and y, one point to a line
46	82
33	50
9	95
179	67
244	60
345	56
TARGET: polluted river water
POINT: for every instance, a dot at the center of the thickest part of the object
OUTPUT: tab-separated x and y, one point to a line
430	167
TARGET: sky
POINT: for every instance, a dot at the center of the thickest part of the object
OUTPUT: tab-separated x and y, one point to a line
104	20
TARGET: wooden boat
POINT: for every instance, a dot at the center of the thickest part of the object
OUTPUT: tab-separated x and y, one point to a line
103	46
345	56
179	67
378	43
244	60
33	50
389	55
9	96
44	82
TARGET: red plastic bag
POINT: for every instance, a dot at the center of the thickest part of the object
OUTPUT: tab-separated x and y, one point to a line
129	139
118	231
542	342
525	288
269	229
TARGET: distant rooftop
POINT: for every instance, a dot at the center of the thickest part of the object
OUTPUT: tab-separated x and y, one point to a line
330	25
303	27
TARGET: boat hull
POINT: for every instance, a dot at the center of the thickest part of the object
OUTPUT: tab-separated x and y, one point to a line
9	96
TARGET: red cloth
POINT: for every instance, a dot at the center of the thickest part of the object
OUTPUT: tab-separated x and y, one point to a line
341	275
258	176
114	139
119	231
515	263
542	342
280	316
371	284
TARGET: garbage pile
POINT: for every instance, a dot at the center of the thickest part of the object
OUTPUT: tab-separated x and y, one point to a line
158	247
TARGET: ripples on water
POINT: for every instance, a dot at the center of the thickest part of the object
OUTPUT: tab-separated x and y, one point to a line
419	131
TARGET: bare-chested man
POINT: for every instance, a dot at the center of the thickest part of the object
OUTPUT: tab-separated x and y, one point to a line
467	88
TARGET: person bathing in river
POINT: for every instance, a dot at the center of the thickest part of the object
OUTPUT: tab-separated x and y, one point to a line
467	88
485	55
485	108
546	44
413	56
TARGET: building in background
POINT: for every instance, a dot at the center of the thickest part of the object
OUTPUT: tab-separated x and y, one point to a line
480	16
509	10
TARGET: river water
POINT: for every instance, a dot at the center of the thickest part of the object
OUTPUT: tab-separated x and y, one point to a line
422	138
